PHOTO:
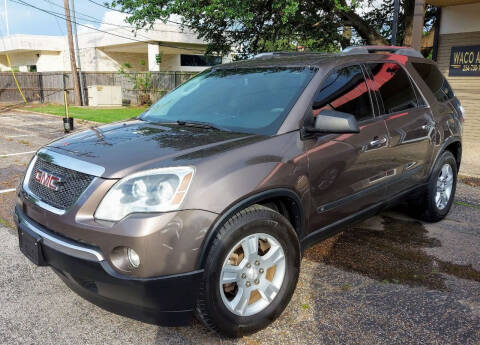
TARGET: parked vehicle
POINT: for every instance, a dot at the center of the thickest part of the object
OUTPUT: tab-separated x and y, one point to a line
205	203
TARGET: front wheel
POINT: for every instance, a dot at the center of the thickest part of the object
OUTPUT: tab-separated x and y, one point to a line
435	204
251	272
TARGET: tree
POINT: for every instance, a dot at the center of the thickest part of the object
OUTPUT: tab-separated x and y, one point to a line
254	26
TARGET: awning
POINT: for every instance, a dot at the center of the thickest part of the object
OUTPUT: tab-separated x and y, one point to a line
443	3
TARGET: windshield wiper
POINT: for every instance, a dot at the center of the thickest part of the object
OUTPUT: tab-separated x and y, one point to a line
200	124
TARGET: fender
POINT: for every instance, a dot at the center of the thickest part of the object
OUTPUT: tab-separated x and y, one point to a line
442	148
243	203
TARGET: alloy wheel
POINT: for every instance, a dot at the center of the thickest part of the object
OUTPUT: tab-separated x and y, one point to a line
252	274
444	186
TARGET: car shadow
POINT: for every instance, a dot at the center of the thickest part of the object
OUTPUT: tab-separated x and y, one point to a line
391	249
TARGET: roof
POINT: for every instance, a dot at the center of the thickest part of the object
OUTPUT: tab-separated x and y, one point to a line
300	59
19	43
295	60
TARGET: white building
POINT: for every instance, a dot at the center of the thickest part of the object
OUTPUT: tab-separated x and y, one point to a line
178	50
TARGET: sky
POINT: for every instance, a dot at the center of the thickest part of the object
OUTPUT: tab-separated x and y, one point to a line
27	20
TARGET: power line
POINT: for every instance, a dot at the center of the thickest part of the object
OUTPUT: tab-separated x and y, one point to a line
101	21
21	2
95	20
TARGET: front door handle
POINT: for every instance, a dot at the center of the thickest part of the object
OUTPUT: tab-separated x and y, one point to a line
427	127
378	142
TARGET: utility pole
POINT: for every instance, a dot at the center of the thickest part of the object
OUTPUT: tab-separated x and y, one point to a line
73	64
77	53
396	8
6	18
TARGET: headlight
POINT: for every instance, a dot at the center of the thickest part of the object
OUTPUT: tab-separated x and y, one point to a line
158	190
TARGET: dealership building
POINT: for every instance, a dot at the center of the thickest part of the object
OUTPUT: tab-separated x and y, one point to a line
457	52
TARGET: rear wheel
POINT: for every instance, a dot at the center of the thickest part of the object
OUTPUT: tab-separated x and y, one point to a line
437	200
251	272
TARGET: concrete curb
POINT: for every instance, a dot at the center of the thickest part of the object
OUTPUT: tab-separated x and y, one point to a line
57	116
471	180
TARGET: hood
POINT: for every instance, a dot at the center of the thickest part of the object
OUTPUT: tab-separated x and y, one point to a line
126	147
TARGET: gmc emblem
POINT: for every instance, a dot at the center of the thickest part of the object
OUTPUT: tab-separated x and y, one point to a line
46	179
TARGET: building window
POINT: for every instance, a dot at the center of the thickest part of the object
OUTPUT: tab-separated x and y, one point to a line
199	60
32	68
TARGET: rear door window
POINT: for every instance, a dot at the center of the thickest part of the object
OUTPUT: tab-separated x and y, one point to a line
435	80
345	90
394	87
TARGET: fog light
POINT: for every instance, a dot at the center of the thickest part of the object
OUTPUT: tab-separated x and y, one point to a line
133	257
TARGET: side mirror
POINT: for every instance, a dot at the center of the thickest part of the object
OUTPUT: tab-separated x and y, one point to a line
331	121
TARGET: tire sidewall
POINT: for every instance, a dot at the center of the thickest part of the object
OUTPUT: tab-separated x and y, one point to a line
273	224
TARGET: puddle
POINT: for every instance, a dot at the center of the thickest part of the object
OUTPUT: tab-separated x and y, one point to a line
393	254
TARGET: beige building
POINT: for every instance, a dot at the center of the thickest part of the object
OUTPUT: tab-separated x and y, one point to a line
458	56
176	50
457	51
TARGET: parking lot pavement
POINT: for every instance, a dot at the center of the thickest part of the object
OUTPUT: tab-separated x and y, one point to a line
21	134
388	280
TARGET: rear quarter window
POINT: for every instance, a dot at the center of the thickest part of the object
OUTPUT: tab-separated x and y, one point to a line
394	85
435	80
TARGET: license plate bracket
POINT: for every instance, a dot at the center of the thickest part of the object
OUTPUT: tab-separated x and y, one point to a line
31	246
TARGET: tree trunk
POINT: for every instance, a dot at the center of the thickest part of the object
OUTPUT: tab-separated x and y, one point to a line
408	7
427	41
371	36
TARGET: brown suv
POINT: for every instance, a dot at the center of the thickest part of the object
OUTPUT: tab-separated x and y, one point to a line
204	204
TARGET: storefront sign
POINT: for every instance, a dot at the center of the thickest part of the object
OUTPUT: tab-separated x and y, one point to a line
465	61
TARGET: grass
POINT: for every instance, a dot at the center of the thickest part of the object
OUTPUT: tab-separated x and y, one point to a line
5	223
104	115
305	306
463	203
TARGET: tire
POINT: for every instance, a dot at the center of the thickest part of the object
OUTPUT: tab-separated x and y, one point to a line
427	207
215	305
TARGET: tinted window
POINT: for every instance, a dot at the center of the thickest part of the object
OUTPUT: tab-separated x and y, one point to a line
435	81
394	86
250	100
199	60
345	90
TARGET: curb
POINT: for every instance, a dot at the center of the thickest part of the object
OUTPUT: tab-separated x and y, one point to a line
57	116
471	180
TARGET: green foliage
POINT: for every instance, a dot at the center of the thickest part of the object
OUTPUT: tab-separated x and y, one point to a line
142	82
158	58
254	26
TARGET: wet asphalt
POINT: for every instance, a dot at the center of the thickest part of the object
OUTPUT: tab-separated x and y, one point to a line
388	280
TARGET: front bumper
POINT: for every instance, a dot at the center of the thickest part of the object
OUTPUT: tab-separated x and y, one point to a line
166	300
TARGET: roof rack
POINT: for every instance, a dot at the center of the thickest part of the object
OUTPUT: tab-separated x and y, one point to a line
382	49
273	54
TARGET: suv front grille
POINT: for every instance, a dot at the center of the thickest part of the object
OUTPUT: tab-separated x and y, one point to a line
70	187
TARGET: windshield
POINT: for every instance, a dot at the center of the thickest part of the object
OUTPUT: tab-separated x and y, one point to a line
250	100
